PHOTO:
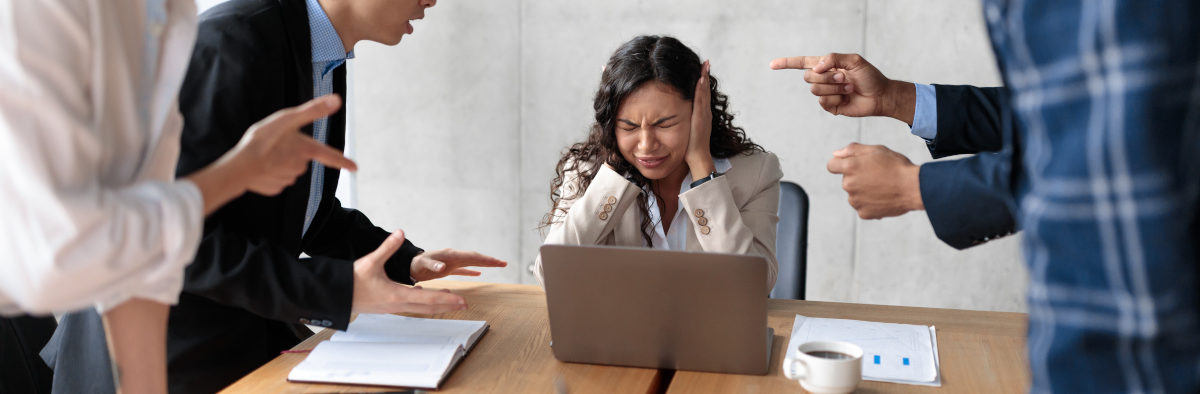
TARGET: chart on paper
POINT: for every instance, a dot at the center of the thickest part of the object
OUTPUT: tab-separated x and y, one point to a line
903	353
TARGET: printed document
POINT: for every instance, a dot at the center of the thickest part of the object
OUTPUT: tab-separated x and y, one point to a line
898	353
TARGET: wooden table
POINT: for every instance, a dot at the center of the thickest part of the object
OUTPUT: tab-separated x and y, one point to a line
980	352
513	357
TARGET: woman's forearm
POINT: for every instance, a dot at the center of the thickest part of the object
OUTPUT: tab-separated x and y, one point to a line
219	183
137	344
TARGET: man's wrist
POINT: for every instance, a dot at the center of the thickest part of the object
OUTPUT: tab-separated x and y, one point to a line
902	101
912	177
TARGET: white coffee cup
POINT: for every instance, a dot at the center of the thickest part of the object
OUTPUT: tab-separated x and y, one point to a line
825	367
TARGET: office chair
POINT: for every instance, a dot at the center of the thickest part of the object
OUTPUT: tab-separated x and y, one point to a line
791	242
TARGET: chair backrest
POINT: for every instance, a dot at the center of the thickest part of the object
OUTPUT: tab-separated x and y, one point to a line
791	242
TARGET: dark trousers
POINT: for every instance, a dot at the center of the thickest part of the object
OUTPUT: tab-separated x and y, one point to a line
21	369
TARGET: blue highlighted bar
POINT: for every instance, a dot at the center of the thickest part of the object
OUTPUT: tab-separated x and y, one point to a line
906	361
876	359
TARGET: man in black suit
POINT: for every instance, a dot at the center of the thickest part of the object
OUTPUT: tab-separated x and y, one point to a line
969	200
248	295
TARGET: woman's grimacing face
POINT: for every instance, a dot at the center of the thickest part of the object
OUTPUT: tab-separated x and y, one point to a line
653	128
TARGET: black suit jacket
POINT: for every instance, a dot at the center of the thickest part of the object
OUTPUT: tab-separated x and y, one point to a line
969	201
247	293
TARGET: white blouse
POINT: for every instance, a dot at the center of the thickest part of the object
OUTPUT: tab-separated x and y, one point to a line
676	238
89	139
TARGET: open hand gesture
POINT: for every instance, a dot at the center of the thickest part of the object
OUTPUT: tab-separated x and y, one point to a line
374	292
440	263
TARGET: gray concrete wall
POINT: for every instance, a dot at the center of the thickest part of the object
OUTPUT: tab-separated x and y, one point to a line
458	128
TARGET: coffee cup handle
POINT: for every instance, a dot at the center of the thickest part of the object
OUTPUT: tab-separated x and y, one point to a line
794	369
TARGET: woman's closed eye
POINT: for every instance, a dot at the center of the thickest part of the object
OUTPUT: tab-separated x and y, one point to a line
664	123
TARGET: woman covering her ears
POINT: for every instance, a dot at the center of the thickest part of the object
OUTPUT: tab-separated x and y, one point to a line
663	166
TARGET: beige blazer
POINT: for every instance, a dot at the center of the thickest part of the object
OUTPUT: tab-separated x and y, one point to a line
734	213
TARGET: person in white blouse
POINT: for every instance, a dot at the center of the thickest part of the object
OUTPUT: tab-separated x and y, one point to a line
663	165
89	139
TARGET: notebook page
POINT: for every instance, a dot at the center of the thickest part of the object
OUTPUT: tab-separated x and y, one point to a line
388	364
403	329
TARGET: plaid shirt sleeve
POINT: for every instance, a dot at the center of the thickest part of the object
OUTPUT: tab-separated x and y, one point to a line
1106	101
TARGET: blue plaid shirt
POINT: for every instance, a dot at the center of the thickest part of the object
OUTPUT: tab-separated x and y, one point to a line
328	53
1106	104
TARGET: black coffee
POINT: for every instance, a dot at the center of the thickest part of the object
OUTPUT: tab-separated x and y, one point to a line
828	355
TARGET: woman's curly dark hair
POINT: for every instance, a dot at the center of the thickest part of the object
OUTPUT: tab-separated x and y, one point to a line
641	60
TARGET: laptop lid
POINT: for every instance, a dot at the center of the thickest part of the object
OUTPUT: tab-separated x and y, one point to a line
658	309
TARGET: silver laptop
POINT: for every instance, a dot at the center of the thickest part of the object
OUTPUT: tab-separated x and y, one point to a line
659	309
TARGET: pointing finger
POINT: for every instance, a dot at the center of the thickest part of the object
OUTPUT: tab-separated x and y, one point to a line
795	62
838	60
303	115
326	154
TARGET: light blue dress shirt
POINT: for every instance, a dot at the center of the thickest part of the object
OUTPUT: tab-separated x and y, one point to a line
328	54
925	114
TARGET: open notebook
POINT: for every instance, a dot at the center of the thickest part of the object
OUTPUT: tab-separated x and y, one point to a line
390	350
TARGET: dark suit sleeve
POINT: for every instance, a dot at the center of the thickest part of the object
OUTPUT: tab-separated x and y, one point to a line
234	266
349	234
968	120
236	269
969	201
